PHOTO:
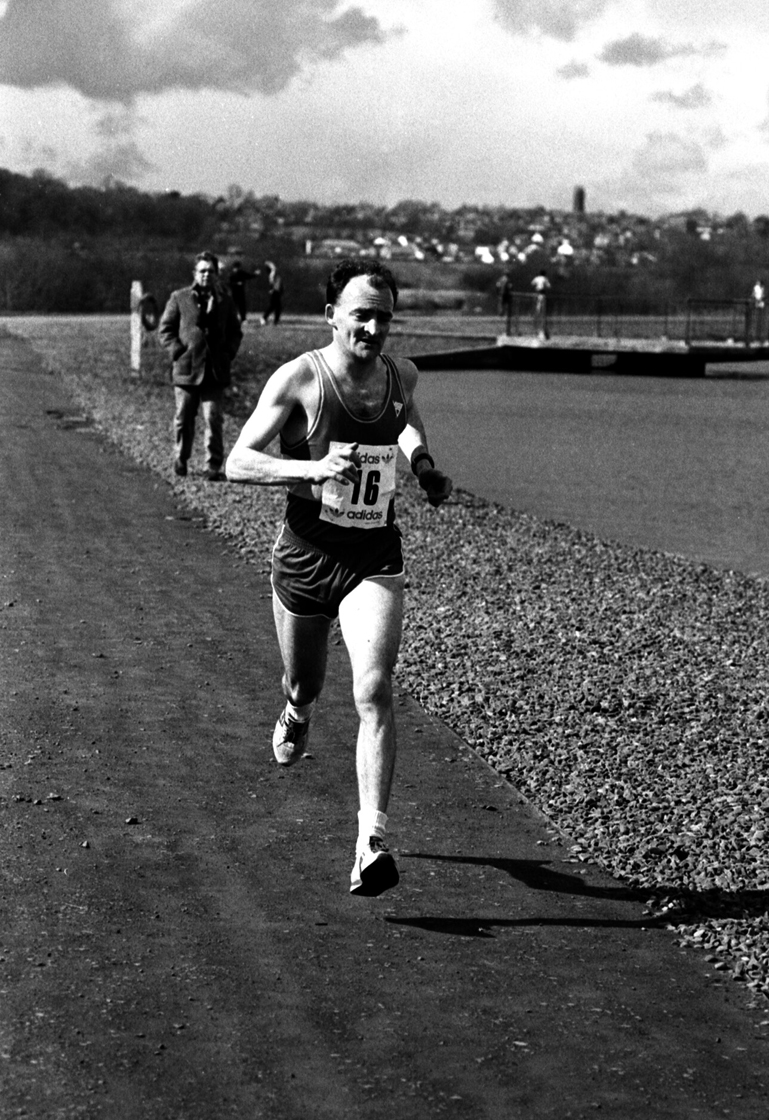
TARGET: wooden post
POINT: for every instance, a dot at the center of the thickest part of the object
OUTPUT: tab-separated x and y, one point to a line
137	294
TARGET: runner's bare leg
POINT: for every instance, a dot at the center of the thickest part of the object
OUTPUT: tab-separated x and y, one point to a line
304	648
371	619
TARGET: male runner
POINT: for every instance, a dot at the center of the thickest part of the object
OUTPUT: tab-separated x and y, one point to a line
341	414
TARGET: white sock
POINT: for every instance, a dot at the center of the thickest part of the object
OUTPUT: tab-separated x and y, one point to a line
371	823
300	713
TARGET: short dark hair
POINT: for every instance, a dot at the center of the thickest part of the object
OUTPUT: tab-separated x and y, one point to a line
210	257
378	274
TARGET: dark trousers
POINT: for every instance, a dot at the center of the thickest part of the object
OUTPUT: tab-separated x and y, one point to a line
759	322
239	299
274	308
188	400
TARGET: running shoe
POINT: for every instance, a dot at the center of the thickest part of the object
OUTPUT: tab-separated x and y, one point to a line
374	870
289	740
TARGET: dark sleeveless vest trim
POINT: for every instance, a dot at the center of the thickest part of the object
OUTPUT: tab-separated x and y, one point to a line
335	421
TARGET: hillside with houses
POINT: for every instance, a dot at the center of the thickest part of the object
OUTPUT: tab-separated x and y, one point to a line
77	248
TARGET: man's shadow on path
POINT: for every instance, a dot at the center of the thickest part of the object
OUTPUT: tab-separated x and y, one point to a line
680	904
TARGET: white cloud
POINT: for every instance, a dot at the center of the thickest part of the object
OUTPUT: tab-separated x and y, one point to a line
696	97
644	50
714	138
665	156
573	70
558	19
122	160
119	122
104	49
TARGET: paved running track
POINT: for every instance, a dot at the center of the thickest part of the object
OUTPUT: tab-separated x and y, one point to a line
177	938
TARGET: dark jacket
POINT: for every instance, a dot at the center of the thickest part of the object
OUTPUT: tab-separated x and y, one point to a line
200	340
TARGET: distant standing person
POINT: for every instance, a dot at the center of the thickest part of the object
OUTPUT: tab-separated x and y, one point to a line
758	308
505	293
341	414
275	296
238	278
541	286
201	330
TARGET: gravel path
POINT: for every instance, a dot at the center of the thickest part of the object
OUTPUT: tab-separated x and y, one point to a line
622	692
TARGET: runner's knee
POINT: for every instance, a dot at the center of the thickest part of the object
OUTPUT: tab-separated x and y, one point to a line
372	691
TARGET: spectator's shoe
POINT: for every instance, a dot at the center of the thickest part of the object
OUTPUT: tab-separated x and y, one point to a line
374	870
180	468
216	476
289	740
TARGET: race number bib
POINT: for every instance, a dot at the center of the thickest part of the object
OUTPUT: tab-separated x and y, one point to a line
362	505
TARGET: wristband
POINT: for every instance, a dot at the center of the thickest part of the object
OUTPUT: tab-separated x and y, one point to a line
417	458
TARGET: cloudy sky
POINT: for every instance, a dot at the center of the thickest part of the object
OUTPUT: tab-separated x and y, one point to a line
652	105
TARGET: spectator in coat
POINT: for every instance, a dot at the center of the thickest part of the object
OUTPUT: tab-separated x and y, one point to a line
201	330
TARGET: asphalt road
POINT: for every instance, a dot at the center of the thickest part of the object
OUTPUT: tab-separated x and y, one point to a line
178	940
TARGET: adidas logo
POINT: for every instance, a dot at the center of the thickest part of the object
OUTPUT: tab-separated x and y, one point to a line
398	406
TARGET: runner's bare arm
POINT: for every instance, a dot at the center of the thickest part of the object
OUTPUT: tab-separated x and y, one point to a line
413	442
287	391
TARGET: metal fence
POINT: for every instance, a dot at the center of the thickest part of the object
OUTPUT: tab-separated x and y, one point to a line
553	316
723	321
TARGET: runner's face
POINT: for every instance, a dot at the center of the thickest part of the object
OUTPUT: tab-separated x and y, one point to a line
361	319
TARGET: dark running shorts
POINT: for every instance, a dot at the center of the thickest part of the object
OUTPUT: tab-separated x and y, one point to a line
310	582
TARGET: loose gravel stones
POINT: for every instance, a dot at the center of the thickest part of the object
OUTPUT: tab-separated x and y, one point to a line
623	692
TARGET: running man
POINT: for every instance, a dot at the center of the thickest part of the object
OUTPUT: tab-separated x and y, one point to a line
341	414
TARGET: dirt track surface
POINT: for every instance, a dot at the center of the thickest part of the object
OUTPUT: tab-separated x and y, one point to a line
178	941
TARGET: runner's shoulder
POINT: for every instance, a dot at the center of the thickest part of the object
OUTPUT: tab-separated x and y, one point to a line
407	371
294	378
